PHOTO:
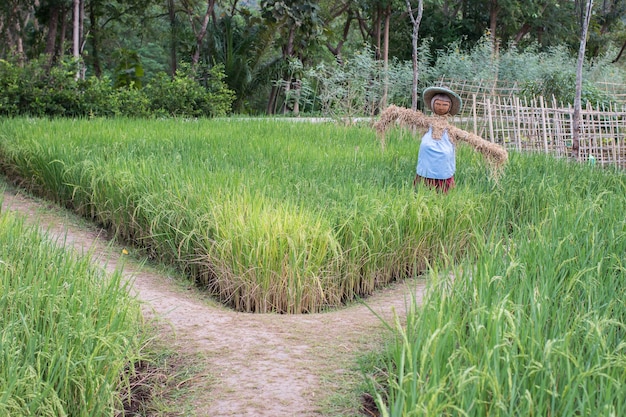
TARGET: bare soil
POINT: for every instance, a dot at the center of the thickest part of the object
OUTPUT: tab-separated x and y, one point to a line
253	364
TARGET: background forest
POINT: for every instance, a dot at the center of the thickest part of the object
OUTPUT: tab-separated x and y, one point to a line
211	58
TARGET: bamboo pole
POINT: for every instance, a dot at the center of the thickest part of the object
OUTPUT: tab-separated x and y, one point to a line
474	114
589	137
518	125
502	115
489	117
543	125
613	135
558	131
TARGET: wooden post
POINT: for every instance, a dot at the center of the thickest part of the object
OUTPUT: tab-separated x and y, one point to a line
474	114
518	125
543	124
490	121
560	142
501	108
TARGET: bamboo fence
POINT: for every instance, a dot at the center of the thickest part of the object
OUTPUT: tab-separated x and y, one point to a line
494	111
492	88
538	126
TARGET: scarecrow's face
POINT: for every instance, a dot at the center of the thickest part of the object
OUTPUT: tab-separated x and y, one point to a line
441	104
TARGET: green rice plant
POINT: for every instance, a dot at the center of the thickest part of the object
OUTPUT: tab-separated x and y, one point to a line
269	216
533	322
69	332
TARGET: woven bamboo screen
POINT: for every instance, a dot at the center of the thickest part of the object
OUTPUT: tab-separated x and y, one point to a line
493	110
537	126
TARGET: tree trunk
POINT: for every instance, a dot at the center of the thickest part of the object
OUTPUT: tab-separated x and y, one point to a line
61	43
579	81
76	35
173	36
377	29
19	40
383	101
16	21
271	103
202	32
415	36
95	40
619	55
521	33
286	89
346	31
296	103
81	37
53	27
288	53
493	21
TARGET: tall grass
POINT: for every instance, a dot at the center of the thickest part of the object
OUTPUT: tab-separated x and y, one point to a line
296	217
69	333
270	216
535	324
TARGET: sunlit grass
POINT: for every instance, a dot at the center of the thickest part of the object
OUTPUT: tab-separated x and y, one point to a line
535	324
297	217
270	216
69	332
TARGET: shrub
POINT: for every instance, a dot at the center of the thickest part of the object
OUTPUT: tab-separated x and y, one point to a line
9	88
38	89
185	96
562	86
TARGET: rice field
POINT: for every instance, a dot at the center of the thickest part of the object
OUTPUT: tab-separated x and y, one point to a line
535	324
69	333
525	312
268	216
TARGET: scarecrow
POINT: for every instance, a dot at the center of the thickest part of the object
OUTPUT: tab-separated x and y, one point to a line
436	161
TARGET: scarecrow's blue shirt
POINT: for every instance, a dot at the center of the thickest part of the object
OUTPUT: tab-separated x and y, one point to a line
436	158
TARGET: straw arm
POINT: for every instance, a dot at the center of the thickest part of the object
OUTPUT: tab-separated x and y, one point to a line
393	115
493	152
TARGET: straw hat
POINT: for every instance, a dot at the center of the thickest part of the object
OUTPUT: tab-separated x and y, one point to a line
430	92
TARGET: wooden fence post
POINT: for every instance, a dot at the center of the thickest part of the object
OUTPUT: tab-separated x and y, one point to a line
518	125
543	124
474	114
490	117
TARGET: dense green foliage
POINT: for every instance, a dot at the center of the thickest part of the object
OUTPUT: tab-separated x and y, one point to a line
69	331
33	89
350	90
355	89
130	42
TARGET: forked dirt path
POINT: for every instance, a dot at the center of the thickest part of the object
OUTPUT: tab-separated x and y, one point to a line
256	365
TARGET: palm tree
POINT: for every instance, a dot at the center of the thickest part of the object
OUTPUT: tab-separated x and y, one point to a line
244	45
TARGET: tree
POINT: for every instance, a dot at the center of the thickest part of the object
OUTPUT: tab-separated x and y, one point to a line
330	16
199	24
112	24
77	32
52	15
298	25
609	16
415	20
171	13
579	78
387	15
16	15
244	44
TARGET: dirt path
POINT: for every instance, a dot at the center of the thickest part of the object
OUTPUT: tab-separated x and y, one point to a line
259	365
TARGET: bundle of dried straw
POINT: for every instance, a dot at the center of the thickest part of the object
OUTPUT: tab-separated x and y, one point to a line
493	153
